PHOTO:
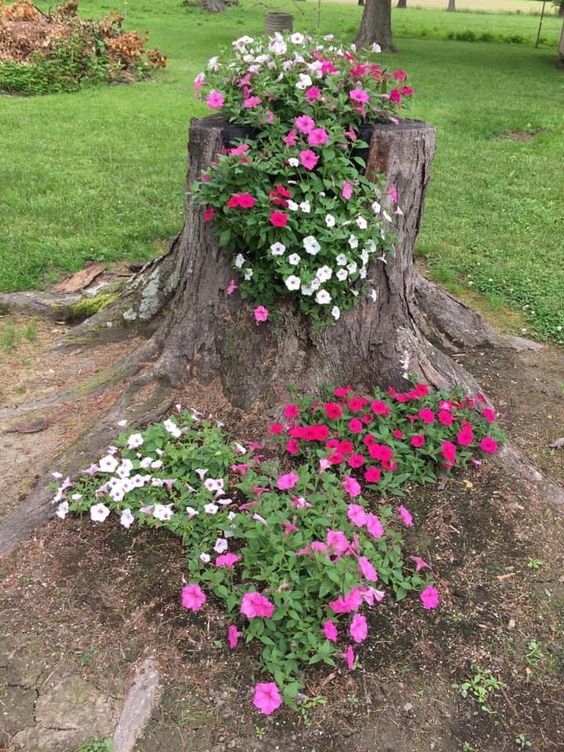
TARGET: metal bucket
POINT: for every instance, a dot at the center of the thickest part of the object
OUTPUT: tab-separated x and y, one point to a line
275	21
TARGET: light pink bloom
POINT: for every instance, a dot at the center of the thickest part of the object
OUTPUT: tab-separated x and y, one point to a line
289	480
231	287
356	515
352	486
255	605
370	595
374	526
345	604
367	570
330	630
251	102
324	464
349	656
419	563
346	189
405	516
215	100
193	597
359	96
359	628
393	194
429	597
289	528
308	159
233	635
337	542
304	123
267	698
300	503
317	137
260	313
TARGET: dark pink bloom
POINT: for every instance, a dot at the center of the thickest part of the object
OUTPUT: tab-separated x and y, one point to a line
291	411
260	313
333	410
445	418
448	450
267	698
308	159
293	447
417	440
367	570
227	560
465	437
426	415
233	635
330	630
359	628
429	597
355	461
372	474
209	212
349	656
397	434
400	75
342	391
193	597
256	605
488	445
276	428
312	94
356	425
406	91
380	408
278	219
489	414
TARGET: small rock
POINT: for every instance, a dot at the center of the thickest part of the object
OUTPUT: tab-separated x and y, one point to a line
557	444
29	426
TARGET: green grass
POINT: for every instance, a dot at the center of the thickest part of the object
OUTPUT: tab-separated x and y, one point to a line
99	174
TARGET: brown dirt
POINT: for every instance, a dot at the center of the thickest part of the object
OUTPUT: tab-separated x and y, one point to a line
89	597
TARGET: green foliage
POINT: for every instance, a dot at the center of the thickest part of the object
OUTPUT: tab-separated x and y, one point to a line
480	687
96	745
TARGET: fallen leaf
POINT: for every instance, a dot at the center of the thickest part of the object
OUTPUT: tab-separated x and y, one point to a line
81	279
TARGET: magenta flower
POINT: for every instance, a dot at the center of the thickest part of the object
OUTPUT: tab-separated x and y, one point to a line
405	516
208	213
251	102
267	698
337	542
374	526
287	481
347	603
359	628
419	563
308	159
349	656
215	100
312	94
193	597
429	597
356	515
260	313
359	96
488	445
233	635
290	139
346	189
366	569
330	630
255	605
352	486
291	411
317	137
227	560
304	123
448	450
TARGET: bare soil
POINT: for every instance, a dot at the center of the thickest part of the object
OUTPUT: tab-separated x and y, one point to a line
91	600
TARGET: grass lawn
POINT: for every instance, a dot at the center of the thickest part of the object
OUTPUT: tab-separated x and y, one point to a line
99	174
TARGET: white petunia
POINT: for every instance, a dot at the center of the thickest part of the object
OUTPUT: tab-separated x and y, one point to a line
341	260
373	295
292	282
201	472
330	220
124	470
376	207
126	518
362	272
305	206
311	245
62	510
157	482
156	465
307	290
294	259
215	485
108	464
99	512
305	82
163	512
353	242
211	508
205	558
322	297
248	274
293	162
277	249
364	256
171	427
361	223
146	462
336	312
191	512
352	267
239	260
213	64
342	274
386	216
297	38
220	546
292	206
324	273
278	46
370	246
376	47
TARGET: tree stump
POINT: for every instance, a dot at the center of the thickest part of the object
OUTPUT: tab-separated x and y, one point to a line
209	334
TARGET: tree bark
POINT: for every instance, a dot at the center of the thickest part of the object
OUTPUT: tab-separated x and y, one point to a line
402	4
451	5
376	25
214	6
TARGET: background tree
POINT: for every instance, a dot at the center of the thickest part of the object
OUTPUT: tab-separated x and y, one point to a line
376	25
451	5
402	4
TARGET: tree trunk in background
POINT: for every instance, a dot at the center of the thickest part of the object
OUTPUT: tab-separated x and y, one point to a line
561	9
376	25
451	5
213	6
402	4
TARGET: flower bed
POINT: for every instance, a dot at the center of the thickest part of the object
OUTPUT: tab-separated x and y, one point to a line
291	201
298	549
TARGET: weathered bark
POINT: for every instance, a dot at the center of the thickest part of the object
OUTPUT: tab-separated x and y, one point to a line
213	6
402	4
451	5
376	25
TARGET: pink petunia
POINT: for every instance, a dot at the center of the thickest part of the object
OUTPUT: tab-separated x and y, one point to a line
215	100
358	629
227	560
346	189
233	635
312	94
374	526
254	605
193	597
291	411
251	102
308	159
231	287
349	656
287	481
352	486
330	630
359	96
304	123
372	474
209	212
267	698
317	137
278	219
347	603
405	516
337	542
417	440
488	445
429	597
419	563
261	314
356	515
291	138
367	569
